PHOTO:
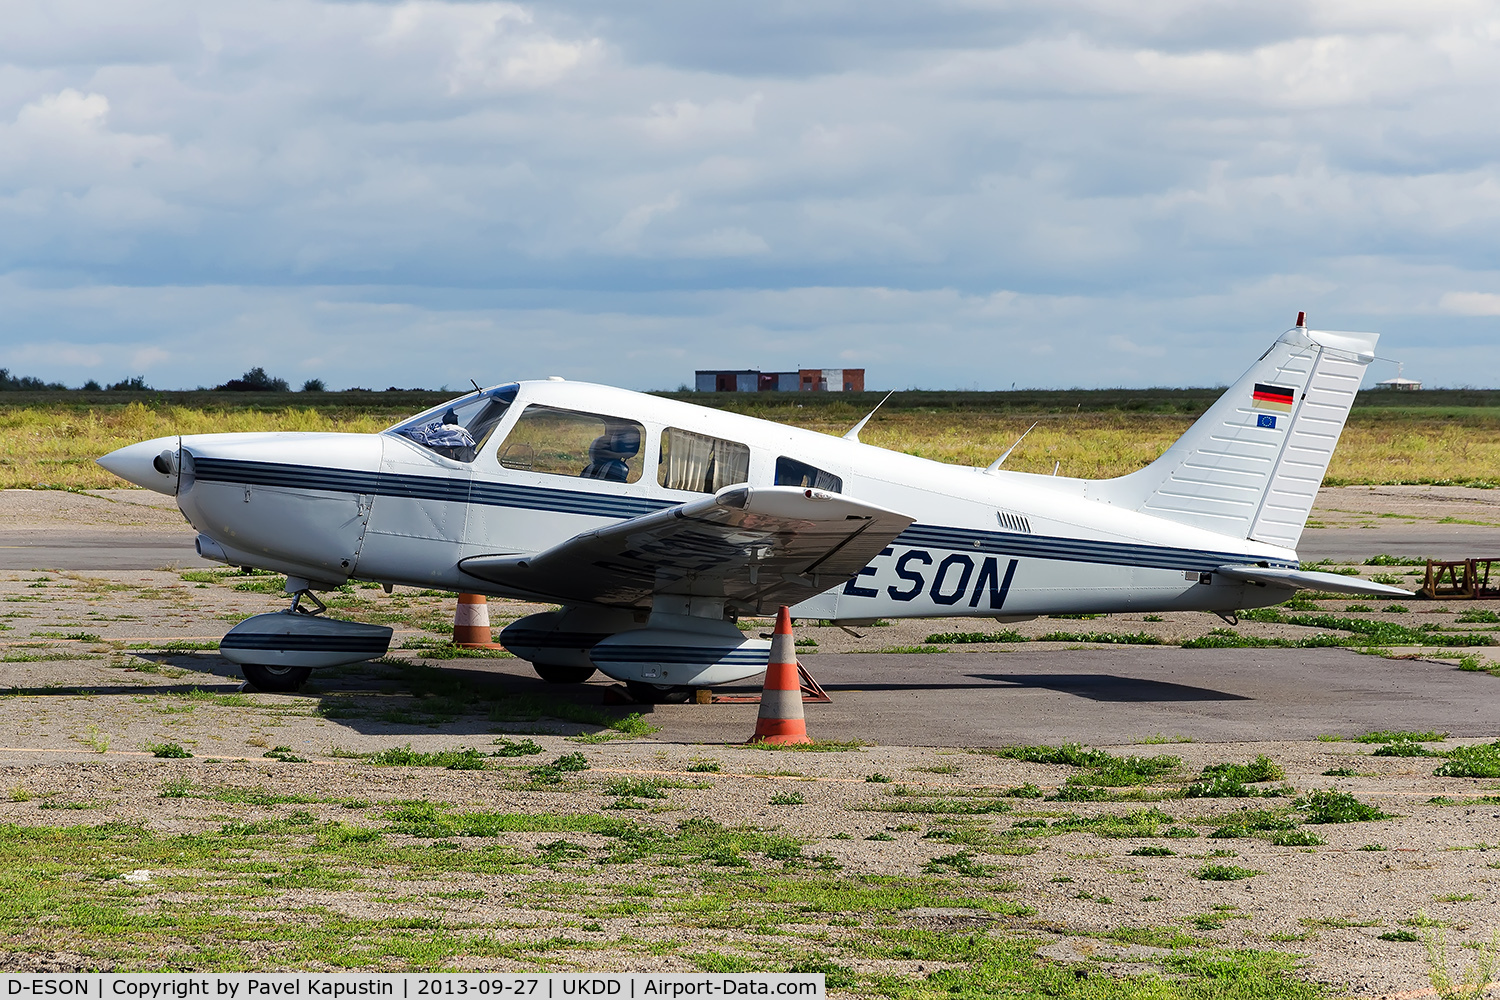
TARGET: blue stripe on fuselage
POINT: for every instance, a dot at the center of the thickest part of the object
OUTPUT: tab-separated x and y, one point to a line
927	536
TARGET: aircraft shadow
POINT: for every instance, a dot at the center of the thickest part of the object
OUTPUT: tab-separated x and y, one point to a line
1109	687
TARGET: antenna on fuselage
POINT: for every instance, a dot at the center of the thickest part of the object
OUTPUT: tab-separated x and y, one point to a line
475	385
853	433
995	465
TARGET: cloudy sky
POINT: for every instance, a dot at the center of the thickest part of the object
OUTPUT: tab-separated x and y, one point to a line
948	194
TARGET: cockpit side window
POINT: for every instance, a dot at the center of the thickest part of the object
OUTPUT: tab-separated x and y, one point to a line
700	463
570	443
790	472
458	429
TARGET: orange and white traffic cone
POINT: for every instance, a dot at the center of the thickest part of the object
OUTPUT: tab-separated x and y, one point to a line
781	719
471	623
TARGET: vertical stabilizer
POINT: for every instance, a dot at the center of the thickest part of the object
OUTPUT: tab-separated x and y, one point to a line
1251	466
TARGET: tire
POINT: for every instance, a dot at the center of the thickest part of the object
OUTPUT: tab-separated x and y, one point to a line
556	673
657	694
267	678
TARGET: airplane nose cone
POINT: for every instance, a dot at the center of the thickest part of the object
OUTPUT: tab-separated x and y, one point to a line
152	464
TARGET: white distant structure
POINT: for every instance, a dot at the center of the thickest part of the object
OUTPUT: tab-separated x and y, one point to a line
1399	383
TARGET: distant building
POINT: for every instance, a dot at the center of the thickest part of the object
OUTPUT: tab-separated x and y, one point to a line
1400	384
803	380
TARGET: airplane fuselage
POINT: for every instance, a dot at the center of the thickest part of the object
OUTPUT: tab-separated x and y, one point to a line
654	524
380	507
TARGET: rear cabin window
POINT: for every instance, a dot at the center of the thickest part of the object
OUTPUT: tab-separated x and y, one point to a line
790	472
569	443
700	463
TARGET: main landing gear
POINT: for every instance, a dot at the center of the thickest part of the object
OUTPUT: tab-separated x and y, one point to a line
279	651
557	673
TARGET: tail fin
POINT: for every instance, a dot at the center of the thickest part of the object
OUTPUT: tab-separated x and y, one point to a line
1251	466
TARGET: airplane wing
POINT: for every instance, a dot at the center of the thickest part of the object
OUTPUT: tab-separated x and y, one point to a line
1310	580
754	547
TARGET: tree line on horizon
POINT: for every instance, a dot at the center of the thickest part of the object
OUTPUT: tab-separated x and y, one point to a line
254	380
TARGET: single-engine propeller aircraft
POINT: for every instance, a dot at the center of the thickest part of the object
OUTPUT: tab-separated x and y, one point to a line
655	524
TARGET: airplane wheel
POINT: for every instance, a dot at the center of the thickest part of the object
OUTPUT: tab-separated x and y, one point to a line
556	673
657	694
268	678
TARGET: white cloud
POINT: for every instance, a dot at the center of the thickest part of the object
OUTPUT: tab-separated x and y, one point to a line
1470	303
954	192
1127	346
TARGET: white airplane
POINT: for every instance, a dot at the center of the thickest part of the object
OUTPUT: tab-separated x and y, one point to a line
655	524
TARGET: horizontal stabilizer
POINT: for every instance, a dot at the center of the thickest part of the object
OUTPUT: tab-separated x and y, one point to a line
1302	579
753	548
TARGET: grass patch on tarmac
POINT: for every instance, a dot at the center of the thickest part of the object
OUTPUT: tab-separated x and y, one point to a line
733	897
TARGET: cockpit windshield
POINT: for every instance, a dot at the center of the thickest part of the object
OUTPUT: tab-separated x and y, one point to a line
458	429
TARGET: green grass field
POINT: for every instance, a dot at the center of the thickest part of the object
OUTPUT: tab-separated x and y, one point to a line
50	440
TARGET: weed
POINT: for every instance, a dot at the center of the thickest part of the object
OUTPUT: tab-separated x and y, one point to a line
914	649
703	765
1224	873
1478	616
882	835
551	774
1394	609
286	754
1404	749
1481	760
1340	772
1298	838
878	778
1105	638
1371	632
1071	754
1475	980
961	862
1152	851
788	799
635	787
1219	787
1472	663
172	750
177	788
1026	791
816	746
1372	847
961	638
1262	768
462	759
1402	935
514	748
94	740
1329	806
1400	736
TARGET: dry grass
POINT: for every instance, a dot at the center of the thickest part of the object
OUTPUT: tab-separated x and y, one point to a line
54	446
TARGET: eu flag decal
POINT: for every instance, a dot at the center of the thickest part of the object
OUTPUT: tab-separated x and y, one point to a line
1265	420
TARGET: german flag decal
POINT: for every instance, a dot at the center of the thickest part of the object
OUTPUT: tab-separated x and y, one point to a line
1272	397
